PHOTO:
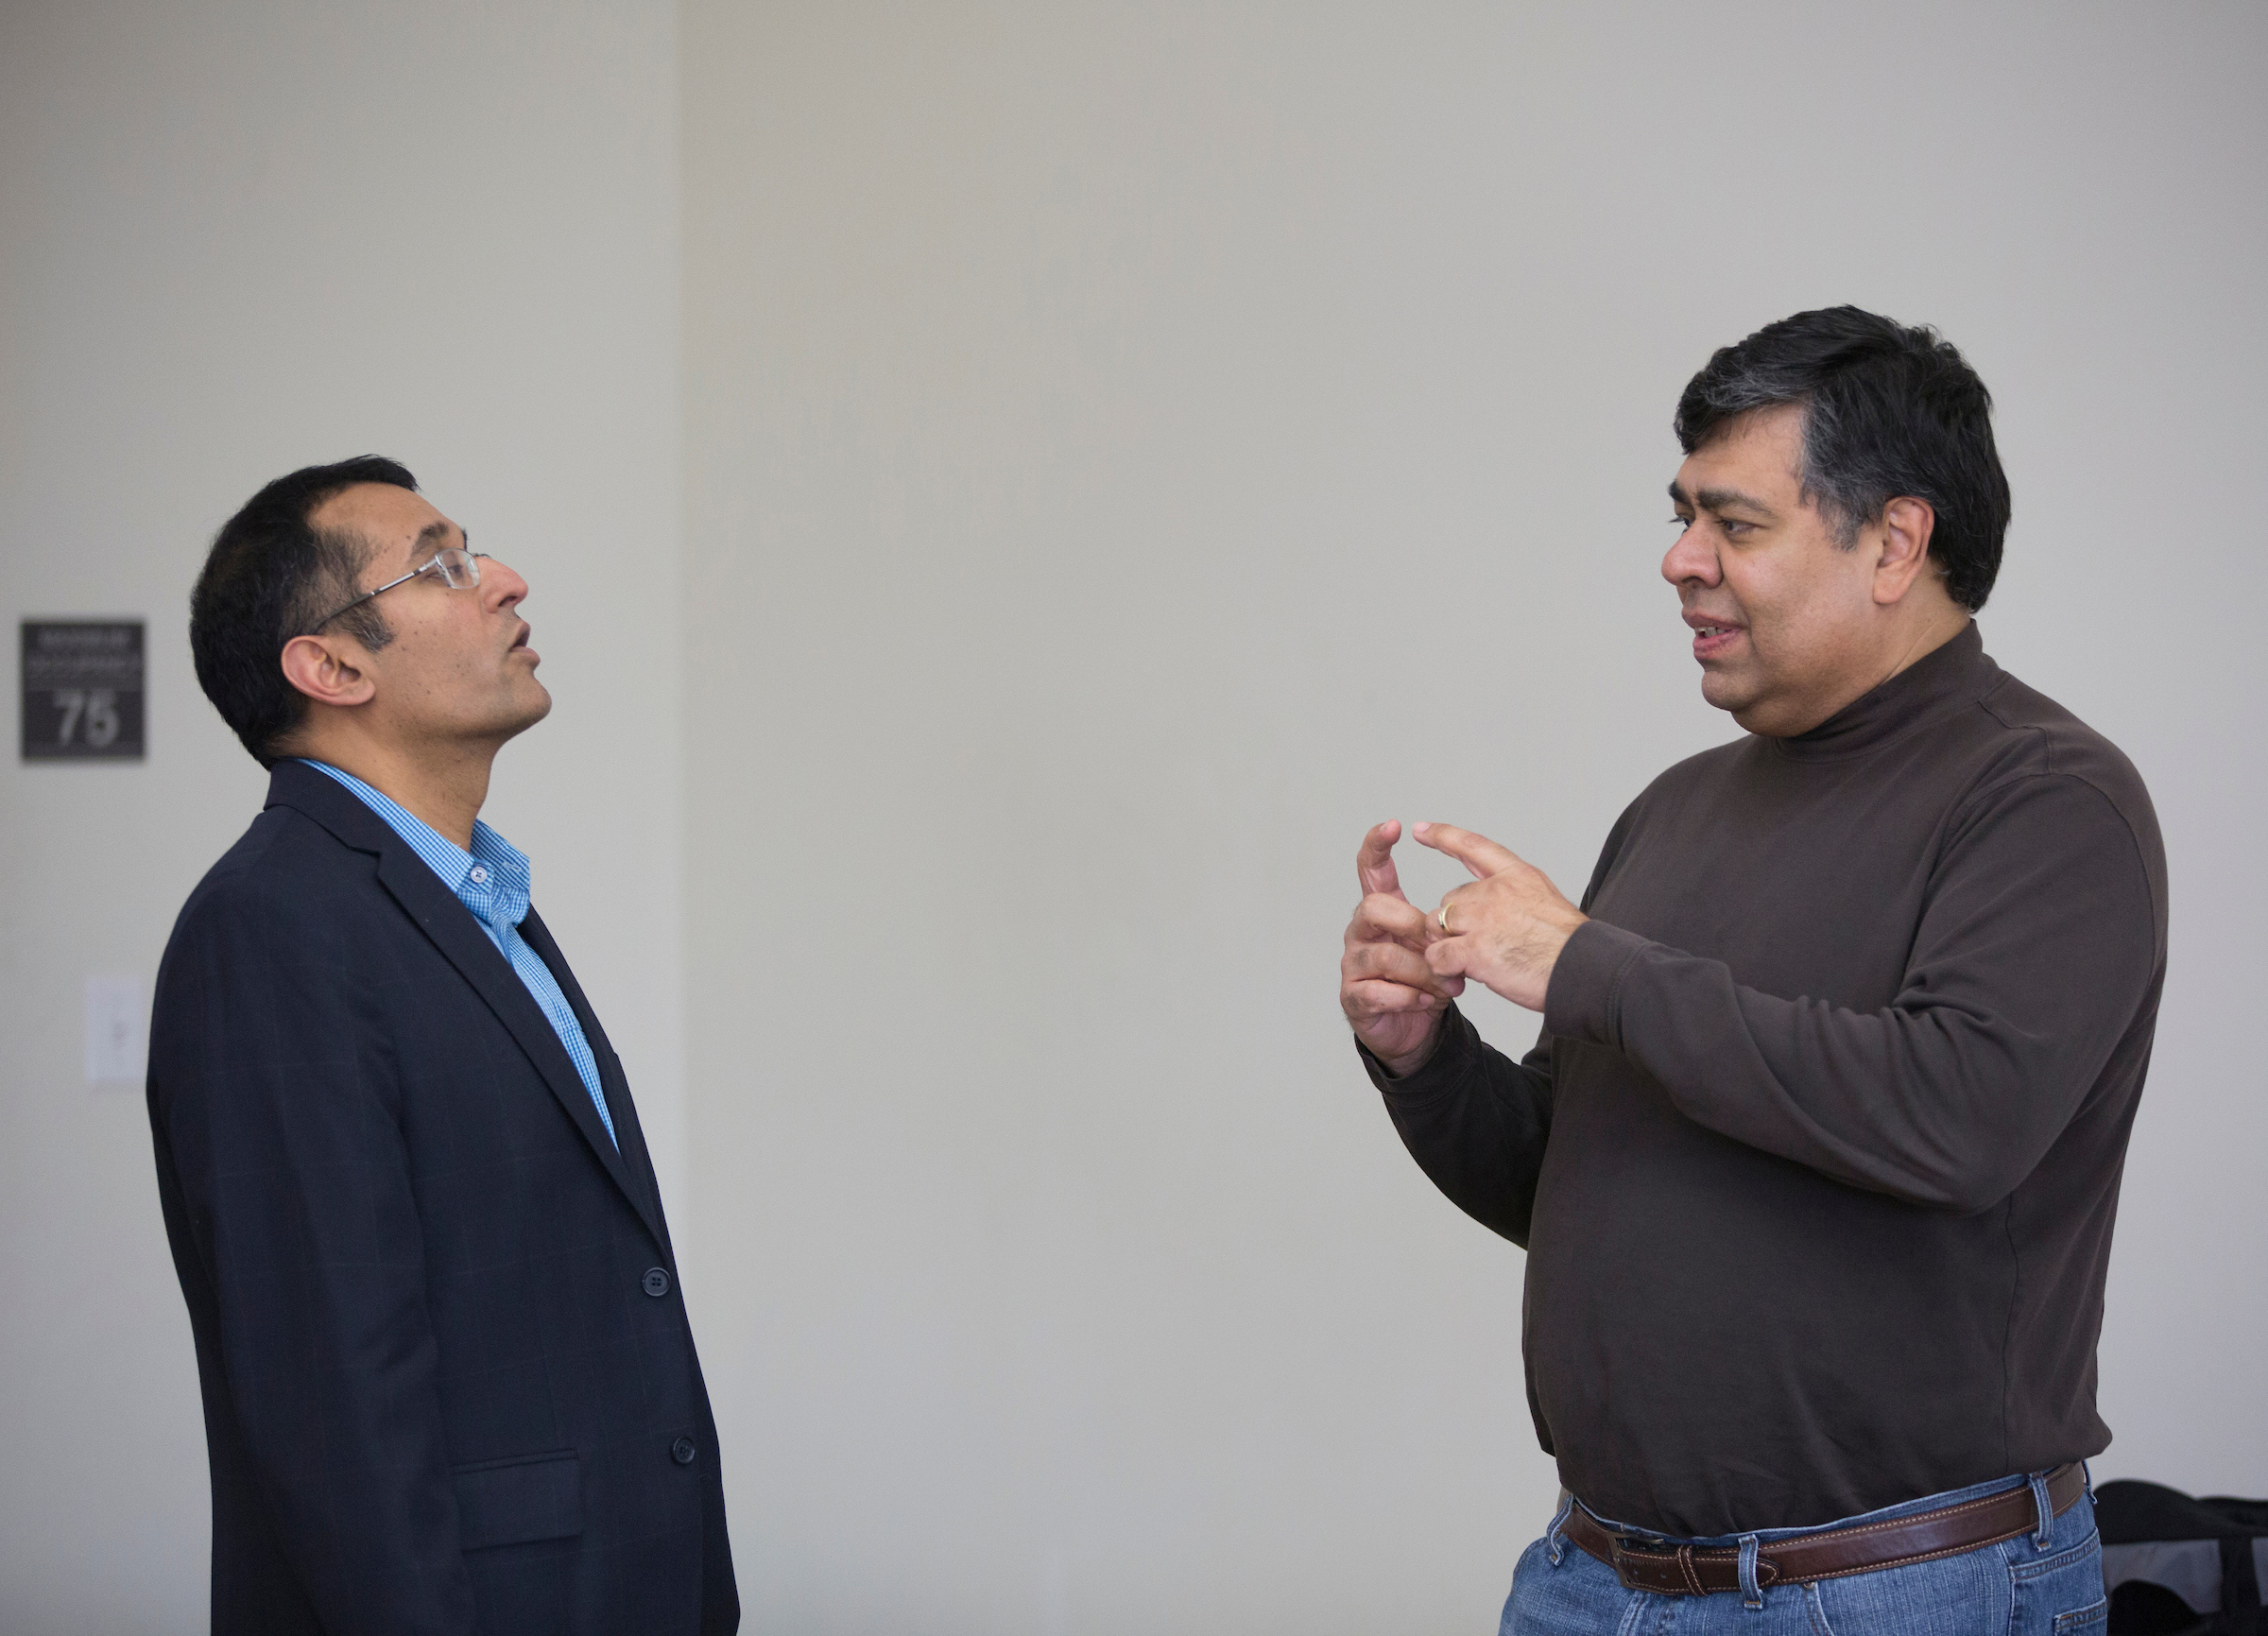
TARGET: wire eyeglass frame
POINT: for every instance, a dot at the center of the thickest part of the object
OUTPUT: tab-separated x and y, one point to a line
459	570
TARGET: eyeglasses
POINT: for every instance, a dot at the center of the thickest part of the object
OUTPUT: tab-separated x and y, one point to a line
459	570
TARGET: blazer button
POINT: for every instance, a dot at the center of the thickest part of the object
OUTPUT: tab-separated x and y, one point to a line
656	1282
681	1451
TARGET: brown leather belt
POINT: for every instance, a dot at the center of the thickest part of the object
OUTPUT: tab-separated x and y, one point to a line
1863	1548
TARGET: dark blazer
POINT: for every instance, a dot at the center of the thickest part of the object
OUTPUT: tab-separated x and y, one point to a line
449	1384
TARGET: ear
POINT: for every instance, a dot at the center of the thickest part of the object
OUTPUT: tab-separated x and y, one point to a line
324	668
1905	527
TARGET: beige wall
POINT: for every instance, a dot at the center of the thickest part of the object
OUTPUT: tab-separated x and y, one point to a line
1125	452
233	239
1131	448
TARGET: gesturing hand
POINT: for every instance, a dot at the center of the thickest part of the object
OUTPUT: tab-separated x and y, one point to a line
1507	928
1389	993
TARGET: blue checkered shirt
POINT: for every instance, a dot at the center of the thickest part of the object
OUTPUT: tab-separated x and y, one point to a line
492	880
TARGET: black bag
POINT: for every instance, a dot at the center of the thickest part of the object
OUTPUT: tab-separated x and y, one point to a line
2175	1566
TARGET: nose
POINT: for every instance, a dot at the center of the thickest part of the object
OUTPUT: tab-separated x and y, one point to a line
500	587
1690	558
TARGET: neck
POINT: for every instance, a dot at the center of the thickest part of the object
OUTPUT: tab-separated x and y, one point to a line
1942	623
443	785
1939	627
1898	649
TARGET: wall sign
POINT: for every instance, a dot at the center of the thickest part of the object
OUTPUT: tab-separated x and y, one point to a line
82	689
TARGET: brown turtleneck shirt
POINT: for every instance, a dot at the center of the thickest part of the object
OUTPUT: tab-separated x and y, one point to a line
1816	1159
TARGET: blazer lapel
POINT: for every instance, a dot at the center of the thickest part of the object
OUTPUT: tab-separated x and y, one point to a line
466	945
610	1076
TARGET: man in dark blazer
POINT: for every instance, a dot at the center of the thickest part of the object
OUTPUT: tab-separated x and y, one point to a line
449	1382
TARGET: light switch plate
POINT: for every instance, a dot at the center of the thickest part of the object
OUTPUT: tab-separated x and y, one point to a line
117	1030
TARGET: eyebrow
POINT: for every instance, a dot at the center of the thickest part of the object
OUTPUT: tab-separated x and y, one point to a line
436	535
1719	500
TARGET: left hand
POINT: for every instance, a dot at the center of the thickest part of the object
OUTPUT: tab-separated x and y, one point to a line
1505	930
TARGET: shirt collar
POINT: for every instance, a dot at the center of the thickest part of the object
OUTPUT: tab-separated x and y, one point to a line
501	899
1945	678
493	880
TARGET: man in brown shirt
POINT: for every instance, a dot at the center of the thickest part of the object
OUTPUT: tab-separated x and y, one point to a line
1816	1157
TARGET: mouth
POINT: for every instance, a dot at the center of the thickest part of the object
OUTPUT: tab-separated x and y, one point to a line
1712	638
520	642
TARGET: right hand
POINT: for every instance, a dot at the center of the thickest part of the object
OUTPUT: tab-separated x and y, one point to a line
1393	998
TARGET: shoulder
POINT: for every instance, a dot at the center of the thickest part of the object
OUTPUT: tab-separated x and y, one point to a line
2030	738
286	872
2048	796
2059	740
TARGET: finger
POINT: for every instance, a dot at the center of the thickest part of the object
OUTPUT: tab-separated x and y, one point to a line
1379	917
1389	962
1374	859
1480	854
1387	999
1449	958
1446	913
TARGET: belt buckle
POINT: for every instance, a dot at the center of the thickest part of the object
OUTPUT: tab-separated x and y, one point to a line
1671	1566
1671	1570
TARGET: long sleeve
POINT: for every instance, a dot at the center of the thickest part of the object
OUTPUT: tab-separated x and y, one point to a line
2037	951
277	1117
1476	1122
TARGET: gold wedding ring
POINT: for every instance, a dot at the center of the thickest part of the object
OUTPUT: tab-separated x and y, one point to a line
1441	914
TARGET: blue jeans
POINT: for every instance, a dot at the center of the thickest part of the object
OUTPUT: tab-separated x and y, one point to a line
2020	1587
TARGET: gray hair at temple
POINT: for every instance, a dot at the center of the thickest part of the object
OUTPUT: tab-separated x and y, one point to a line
1889	409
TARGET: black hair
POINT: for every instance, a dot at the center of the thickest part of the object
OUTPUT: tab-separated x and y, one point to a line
271	575
1889	409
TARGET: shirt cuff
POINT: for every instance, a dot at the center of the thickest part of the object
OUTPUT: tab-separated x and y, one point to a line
1456	1047
1583	999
